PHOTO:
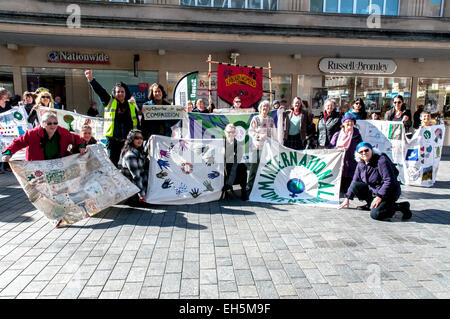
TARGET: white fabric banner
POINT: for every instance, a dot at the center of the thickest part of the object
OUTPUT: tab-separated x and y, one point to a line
185	171
387	136
422	156
13	123
74	121
309	177
75	187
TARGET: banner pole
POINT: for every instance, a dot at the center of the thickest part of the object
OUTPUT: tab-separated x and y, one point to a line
270	84
209	78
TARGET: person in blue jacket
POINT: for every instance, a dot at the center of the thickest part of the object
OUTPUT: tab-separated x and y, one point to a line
375	181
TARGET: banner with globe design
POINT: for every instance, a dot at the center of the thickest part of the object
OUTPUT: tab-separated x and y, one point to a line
209	126
309	177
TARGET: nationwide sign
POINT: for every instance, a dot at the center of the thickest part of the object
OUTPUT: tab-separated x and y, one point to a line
357	66
76	57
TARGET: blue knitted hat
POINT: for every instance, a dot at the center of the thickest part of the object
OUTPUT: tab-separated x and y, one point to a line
363	144
348	117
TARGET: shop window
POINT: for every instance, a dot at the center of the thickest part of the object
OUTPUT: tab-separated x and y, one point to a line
235	4
432	8
6	79
76	95
50	78
434	94
377	92
281	86
387	7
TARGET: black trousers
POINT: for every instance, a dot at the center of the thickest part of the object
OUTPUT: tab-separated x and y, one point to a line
386	208
114	147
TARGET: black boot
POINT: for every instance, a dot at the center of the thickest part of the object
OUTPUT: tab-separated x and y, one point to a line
404	207
364	207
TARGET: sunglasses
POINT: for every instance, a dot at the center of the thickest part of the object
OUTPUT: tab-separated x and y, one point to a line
52	123
363	151
138	138
45	97
237	101
399	102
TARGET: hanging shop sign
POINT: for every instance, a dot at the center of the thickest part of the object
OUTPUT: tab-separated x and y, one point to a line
357	66
77	58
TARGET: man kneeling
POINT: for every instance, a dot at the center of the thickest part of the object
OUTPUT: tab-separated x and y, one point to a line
376	183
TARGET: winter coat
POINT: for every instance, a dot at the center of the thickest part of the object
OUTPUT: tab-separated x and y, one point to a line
325	131
305	123
33	141
134	166
379	175
349	157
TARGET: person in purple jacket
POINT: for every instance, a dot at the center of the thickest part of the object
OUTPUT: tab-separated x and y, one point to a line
375	182
347	137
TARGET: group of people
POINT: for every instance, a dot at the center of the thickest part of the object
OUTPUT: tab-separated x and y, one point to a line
371	176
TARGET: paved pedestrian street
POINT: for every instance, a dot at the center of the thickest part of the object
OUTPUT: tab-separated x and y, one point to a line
228	249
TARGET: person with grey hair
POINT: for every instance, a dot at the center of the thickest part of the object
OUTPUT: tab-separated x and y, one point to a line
261	128
4	96
45	142
329	123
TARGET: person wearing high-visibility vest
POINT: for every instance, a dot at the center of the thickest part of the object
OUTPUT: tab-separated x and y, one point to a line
121	113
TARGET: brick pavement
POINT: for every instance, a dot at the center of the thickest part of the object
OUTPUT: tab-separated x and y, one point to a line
228	249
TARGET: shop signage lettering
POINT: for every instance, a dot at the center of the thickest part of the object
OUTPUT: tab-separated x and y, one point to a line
76	57
357	66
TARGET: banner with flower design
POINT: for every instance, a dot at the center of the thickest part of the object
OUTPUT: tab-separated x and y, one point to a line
185	171
205	125
74	121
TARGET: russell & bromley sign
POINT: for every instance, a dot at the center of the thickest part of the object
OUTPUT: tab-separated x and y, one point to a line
76	57
358	66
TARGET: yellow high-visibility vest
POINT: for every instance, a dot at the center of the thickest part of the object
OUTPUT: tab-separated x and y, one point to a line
110	115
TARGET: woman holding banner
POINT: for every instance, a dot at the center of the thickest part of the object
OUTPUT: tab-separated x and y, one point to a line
375	182
134	165
296	127
329	123
45	142
347	138
235	170
157	96
399	113
261	128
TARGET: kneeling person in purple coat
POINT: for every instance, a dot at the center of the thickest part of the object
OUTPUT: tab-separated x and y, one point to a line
376	183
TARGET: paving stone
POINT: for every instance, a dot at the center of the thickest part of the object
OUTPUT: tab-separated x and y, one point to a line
209	292
247	291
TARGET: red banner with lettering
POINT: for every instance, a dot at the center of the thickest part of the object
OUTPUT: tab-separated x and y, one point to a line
239	81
